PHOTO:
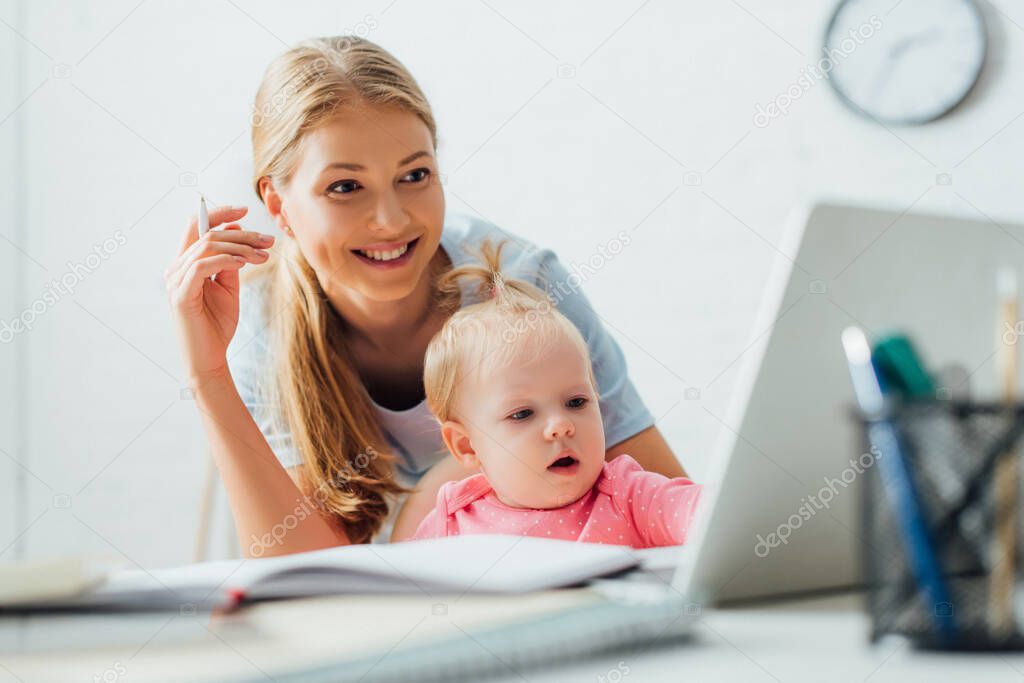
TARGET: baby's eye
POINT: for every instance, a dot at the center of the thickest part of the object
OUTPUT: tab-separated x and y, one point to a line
520	412
582	402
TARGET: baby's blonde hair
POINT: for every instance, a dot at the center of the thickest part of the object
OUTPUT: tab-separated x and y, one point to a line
514	322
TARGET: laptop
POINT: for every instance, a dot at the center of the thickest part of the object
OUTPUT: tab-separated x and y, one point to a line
792	452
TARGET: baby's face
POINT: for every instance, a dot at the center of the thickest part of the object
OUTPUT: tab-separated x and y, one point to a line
535	428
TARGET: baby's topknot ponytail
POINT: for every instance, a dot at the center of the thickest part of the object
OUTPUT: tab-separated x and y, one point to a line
512	321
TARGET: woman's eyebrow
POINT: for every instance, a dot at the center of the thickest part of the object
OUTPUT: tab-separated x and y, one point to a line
360	167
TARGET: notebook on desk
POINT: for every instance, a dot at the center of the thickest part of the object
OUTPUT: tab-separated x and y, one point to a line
458	564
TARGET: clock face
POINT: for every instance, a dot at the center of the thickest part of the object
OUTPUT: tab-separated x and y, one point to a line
911	65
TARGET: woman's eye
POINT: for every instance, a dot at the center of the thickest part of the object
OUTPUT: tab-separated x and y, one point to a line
424	171
582	402
350	186
339	187
520	412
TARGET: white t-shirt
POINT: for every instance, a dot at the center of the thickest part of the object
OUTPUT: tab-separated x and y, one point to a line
414	433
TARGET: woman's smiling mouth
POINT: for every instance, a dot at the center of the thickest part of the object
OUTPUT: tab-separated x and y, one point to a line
391	258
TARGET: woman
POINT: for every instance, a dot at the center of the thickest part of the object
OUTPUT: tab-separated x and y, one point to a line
318	423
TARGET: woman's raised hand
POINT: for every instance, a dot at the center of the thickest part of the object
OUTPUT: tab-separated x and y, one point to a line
207	310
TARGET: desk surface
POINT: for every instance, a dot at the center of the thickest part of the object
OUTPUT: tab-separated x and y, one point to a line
821	639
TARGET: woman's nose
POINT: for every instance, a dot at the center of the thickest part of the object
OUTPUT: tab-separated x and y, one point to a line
559	427
389	214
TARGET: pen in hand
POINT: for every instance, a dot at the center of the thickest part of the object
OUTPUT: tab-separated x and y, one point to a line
204	217
204	223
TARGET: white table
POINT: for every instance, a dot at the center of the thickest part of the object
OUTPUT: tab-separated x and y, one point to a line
823	639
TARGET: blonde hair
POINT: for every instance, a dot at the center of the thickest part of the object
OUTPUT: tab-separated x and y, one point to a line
514	322
320	394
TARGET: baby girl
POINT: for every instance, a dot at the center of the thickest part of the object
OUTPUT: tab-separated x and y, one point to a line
509	380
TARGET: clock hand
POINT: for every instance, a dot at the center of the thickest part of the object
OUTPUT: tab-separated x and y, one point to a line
895	50
882	80
902	45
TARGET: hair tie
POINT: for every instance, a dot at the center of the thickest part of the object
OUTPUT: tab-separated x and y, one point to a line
498	282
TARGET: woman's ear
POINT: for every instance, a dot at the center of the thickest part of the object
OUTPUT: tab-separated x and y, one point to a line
275	206
456	438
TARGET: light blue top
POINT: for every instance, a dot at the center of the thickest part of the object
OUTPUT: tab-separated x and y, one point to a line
413	433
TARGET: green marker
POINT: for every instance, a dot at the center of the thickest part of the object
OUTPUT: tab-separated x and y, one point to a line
900	367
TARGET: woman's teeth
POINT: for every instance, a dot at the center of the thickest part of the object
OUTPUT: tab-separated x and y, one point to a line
385	255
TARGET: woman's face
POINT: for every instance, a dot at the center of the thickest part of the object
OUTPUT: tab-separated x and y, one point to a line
366	180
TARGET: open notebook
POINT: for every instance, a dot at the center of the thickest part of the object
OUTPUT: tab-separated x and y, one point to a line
456	564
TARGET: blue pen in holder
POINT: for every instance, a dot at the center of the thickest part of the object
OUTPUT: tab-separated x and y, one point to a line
932	584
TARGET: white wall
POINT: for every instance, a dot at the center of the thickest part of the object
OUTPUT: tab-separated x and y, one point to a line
660	93
12	475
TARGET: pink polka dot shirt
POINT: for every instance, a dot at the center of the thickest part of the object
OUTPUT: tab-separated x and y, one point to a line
626	506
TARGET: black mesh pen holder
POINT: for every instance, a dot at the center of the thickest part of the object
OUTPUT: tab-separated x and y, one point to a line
952	450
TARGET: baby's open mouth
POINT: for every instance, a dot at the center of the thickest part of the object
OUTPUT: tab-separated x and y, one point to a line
562	463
